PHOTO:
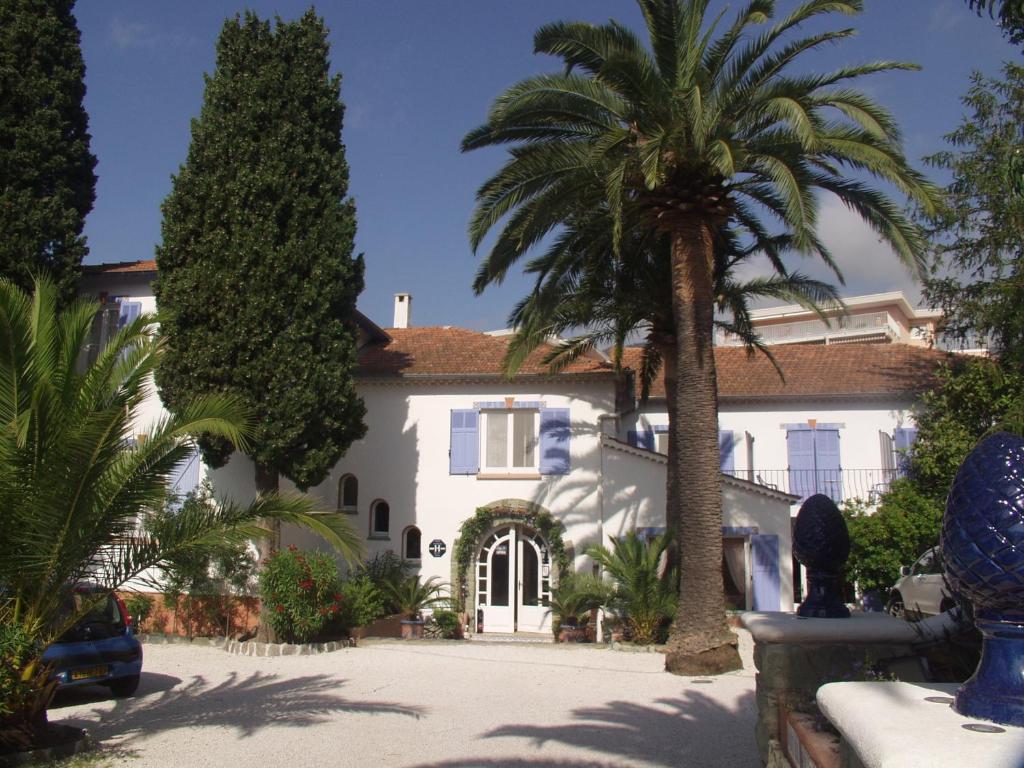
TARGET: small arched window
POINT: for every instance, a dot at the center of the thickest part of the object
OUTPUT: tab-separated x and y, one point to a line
411	543
348	494
380	520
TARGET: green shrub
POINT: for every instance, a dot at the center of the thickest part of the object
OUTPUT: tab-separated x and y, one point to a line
386	571
906	523
361	603
301	593
448	624
139	608
16	649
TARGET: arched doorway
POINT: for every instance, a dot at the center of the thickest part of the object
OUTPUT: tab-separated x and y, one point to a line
513	581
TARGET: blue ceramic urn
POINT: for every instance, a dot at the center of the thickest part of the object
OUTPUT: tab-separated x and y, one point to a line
821	543
983	558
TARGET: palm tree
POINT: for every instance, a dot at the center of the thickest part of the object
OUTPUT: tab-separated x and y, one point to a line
80	499
700	131
644	589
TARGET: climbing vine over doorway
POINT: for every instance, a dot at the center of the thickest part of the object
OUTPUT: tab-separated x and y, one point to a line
472	531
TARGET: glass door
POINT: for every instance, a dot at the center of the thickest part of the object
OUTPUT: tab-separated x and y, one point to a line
496	583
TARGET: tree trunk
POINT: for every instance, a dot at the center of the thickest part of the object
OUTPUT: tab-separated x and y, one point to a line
267	482
700	642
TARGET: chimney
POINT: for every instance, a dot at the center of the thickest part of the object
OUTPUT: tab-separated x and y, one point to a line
403	308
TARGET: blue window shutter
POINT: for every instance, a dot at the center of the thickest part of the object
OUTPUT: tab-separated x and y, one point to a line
464	453
830	473
643	438
800	449
554	441
726	452
765	556
130	311
903	441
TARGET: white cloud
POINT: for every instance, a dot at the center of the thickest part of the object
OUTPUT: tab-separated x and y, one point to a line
129	34
945	16
136	34
867	264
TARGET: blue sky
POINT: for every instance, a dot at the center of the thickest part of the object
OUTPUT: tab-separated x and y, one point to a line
416	76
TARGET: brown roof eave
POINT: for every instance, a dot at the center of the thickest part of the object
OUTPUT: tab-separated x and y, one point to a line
411	378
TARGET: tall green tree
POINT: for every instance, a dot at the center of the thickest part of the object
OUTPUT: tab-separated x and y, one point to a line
47	184
979	231
257	280
78	501
700	128
1010	16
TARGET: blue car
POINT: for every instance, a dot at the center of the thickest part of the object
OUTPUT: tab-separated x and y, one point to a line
100	648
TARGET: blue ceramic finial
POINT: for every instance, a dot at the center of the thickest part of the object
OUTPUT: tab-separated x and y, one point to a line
821	543
983	557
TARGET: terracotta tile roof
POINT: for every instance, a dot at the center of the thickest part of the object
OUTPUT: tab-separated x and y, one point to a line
817	370
452	352
121	266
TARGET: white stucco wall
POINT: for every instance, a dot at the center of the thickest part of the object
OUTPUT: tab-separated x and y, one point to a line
404	460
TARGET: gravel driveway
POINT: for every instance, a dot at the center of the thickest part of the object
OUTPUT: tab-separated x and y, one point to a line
420	704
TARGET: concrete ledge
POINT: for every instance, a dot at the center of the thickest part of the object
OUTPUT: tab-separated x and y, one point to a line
252	648
248	647
860	628
156	639
891	725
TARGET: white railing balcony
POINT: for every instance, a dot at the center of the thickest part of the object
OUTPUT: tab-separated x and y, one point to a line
838	484
849	328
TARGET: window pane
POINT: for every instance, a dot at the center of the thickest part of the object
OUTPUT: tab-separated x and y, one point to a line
524	439
497	440
499	566
349	492
412	544
381	518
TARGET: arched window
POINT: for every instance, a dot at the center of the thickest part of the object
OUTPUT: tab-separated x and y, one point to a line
348	494
380	519
411	543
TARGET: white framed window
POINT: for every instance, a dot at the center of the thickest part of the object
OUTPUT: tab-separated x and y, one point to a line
348	494
380	520
510	441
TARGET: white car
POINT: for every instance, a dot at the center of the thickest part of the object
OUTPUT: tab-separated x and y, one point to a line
921	590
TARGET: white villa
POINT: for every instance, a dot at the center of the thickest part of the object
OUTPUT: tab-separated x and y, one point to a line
454	449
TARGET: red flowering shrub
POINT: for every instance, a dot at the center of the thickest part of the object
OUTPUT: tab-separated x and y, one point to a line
301	593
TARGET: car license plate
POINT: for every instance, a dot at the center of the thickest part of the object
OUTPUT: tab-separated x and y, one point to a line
86	673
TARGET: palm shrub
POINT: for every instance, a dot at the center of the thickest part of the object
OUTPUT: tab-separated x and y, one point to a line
411	595
708	124
573	599
300	593
644	592
79	498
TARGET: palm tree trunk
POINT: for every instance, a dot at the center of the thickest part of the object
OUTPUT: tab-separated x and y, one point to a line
267	482
700	642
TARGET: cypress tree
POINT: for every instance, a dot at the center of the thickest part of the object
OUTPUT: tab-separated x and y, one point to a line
47	184
257	282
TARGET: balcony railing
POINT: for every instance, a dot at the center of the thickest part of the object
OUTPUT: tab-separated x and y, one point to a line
838	484
846	327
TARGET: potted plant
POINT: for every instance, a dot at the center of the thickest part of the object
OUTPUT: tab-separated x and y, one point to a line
572	604
412	596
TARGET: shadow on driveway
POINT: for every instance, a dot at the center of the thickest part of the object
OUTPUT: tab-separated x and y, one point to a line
244	704
691	730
